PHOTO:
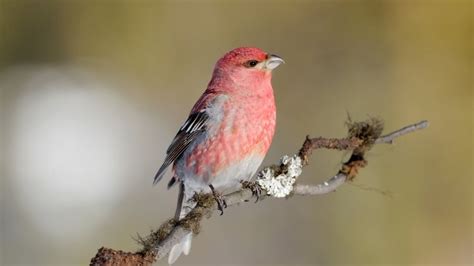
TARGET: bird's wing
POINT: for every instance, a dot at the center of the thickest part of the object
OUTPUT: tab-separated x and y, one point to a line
194	126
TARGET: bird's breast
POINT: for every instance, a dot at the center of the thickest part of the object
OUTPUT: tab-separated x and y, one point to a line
238	138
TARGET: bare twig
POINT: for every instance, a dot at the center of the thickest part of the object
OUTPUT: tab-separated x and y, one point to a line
328	186
362	136
403	131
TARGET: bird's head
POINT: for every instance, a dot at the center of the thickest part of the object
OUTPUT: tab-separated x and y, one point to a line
247	63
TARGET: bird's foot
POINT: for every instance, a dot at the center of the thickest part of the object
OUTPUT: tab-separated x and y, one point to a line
254	187
221	203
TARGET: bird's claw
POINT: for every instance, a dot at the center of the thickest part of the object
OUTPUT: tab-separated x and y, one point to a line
254	187
221	203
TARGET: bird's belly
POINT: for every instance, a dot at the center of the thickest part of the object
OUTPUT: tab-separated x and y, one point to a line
227	178
242	170
222	161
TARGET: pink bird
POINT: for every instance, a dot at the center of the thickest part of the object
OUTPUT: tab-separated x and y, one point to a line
227	133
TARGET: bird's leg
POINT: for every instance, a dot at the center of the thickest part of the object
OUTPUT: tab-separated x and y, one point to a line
256	189
221	203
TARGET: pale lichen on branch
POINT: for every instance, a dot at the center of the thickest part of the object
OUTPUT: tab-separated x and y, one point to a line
280	185
275	181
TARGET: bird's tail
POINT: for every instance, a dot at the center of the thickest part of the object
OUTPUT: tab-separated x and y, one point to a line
184	206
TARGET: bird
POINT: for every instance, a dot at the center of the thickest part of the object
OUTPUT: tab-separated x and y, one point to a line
227	133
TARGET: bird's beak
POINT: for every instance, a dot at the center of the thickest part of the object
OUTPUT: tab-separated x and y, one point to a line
273	61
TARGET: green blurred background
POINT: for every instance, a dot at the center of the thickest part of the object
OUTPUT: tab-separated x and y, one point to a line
92	92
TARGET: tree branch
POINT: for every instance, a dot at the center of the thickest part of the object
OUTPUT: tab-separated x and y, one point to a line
277	179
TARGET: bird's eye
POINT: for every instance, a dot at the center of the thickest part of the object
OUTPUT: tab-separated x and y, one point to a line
251	63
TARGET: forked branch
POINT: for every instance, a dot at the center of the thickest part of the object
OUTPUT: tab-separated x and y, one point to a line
274	181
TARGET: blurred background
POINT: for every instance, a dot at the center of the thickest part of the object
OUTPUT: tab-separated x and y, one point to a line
92	93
